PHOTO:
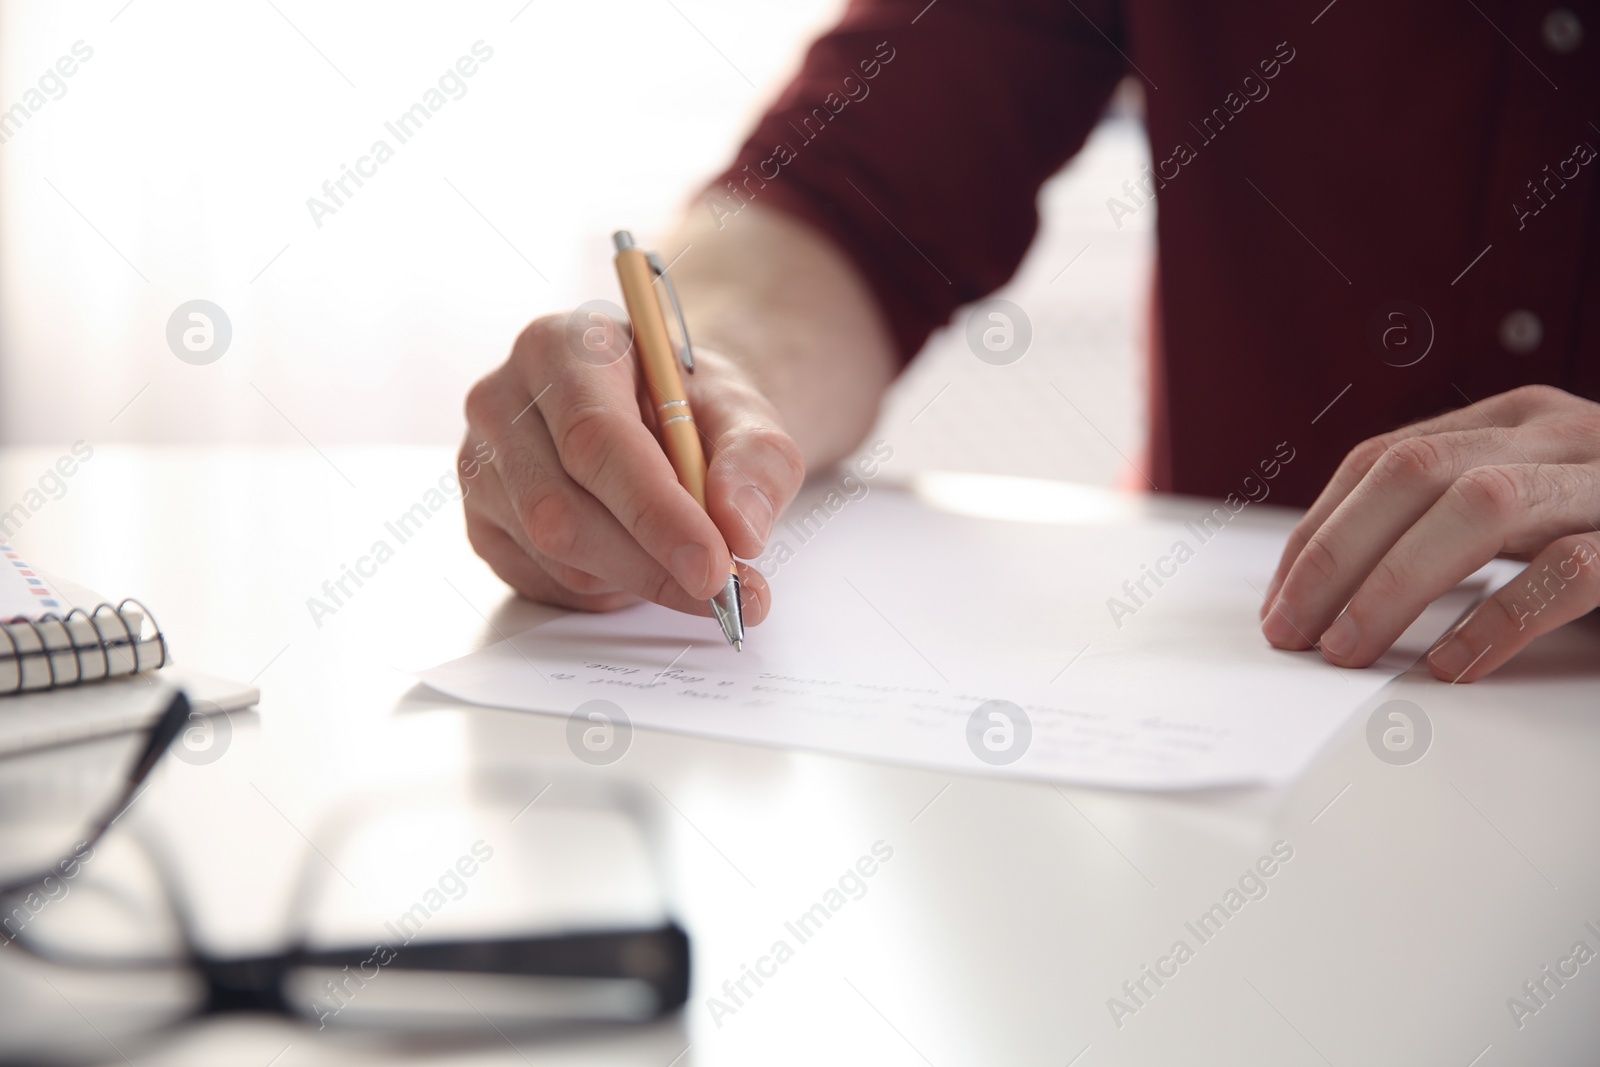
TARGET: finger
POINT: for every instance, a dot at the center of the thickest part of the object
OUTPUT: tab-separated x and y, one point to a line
492	505
1486	512
548	583
593	417
755	467
1402	485
495	507
573	530
502	402
507	559
1498	412
1560	585
1351	470
605	559
755	595
559	524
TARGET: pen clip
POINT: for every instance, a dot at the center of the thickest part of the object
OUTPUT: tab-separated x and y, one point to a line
685	353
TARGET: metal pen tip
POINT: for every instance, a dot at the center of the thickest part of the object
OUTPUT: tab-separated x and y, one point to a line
728	607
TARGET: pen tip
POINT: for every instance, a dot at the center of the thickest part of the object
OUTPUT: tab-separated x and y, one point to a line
738	646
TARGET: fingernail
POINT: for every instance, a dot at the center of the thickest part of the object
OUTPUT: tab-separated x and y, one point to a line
1451	657
756	511
691	565
1341	638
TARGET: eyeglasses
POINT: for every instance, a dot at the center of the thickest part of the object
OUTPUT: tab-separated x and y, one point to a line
392	914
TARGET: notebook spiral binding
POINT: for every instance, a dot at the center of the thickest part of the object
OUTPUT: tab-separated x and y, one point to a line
55	637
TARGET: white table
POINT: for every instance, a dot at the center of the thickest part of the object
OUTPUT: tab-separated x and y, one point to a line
1419	898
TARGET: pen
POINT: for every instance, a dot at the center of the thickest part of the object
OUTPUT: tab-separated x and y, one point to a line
637	271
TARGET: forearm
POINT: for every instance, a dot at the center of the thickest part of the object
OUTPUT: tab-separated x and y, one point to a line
776	296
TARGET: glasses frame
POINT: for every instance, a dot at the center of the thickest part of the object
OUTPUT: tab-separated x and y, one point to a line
659	957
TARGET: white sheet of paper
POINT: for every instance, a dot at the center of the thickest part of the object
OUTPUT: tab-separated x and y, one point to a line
894	621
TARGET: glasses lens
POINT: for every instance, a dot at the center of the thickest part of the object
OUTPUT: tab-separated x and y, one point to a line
48	798
101	906
415	898
90	965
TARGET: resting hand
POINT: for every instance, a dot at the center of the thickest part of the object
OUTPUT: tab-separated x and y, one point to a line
1409	514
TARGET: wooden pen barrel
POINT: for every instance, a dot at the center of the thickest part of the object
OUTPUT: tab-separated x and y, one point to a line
669	403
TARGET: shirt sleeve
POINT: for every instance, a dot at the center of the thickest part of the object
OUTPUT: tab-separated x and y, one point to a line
917	135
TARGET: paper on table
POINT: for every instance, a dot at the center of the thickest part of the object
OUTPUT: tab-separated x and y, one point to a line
895	621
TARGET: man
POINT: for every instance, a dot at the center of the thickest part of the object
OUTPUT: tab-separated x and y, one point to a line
1370	215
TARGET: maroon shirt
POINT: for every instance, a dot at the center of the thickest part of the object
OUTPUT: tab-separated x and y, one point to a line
1314	164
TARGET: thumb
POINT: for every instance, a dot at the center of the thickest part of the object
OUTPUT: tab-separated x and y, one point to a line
755	468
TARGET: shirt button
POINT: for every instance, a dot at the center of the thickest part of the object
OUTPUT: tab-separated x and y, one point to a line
1562	31
1521	332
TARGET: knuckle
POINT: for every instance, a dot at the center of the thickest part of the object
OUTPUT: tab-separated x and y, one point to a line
1510	607
663	588
538	337
1385	584
1577	561
473	506
1526	403
1538	394
481	402
791	464
1298	537
1319	559
585	439
553	524
777	451
646	521
1366	454
1415	459
1581	432
1491	492
1544	484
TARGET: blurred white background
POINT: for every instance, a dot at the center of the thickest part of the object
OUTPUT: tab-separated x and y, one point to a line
176	162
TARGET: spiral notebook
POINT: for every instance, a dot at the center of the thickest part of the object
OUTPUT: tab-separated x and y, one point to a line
48	640
73	668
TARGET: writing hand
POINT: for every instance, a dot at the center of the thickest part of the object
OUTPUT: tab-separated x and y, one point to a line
579	506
